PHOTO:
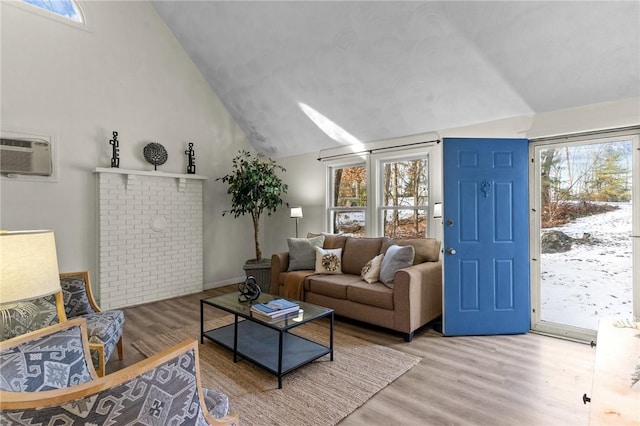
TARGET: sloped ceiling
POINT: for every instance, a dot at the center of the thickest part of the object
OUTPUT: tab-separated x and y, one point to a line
303	76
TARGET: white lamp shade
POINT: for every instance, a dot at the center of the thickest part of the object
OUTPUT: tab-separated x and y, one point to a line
28	265
296	211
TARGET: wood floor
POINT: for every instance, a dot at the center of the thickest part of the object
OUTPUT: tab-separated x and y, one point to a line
488	380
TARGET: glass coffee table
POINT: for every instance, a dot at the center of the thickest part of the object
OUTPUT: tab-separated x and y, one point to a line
267	344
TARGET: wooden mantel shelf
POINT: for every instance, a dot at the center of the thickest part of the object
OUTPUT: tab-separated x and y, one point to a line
131	175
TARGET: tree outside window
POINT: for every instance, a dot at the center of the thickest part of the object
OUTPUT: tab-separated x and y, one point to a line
405	193
349	200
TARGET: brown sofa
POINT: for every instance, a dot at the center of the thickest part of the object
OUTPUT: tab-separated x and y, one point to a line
414	299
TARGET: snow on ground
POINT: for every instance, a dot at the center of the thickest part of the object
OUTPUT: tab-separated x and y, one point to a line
590	280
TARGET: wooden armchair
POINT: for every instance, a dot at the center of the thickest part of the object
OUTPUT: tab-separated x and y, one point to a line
55	381
104	327
75	299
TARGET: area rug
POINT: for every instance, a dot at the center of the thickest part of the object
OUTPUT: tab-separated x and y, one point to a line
320	393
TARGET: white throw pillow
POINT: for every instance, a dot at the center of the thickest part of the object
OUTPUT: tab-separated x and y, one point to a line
371	270
328	261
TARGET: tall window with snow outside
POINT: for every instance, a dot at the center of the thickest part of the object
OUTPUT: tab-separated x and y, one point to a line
347	210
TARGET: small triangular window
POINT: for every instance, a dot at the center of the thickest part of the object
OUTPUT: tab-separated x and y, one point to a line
65	8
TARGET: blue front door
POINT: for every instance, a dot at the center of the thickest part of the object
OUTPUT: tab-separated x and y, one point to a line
486	236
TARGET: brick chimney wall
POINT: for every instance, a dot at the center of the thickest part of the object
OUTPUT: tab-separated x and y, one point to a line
150	238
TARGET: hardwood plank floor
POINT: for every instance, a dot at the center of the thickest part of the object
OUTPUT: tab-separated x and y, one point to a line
485	380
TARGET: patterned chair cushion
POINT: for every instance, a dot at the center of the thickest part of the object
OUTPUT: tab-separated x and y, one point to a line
76	301
50	362
28	316
106	328
165	395
217	402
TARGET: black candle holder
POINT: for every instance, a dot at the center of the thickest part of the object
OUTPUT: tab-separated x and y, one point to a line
115	150
191	168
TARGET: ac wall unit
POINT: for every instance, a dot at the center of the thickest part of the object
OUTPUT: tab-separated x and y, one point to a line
25	157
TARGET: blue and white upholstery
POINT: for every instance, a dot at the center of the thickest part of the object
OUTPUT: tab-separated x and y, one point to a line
104	327
28	316
160	390
50	358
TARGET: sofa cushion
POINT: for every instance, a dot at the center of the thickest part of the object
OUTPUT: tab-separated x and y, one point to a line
357	252
328	261
376	294
302	253
334	286
371	270
396	257
331	241
427	249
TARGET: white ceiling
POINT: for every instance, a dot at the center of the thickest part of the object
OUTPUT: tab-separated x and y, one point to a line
375	70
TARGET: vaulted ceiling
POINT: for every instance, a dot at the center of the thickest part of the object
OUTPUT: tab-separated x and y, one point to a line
303	76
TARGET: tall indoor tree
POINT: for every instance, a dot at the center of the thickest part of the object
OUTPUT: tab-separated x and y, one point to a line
255	189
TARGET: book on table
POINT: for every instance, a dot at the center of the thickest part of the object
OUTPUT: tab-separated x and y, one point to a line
275	309
265	318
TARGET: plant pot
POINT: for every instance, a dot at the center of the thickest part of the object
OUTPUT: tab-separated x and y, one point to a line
261	271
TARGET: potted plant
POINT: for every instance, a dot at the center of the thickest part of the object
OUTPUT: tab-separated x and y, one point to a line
255	189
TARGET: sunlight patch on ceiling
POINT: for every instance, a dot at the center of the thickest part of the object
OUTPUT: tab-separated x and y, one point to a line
331	129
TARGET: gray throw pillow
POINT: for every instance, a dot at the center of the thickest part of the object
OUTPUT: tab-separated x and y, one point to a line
396	257
302	252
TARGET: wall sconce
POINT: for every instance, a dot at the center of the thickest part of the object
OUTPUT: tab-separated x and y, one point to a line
437	210
296	213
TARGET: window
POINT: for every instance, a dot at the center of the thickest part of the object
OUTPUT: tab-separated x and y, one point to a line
404	206
347	210
65	8
380	192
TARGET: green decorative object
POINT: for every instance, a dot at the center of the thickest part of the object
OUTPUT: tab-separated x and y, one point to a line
255	189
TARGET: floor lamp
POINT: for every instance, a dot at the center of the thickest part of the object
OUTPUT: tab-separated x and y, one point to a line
296	213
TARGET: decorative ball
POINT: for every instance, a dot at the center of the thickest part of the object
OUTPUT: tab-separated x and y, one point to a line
155	154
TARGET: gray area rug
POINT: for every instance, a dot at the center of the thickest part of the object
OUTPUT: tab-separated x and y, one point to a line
320	393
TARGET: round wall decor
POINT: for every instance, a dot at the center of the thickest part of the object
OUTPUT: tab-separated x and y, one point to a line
155	154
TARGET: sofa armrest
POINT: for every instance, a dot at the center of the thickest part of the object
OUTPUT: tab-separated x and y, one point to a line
417	295
279	263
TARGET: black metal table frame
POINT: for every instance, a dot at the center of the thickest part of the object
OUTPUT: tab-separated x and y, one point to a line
281	338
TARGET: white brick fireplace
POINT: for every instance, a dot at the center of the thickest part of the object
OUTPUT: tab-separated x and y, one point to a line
149	236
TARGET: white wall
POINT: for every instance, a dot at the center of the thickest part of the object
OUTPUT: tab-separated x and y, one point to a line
305	177
126	73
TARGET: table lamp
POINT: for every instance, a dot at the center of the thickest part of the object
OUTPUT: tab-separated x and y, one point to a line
28	270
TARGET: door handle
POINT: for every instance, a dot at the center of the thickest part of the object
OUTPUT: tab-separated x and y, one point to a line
451	251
